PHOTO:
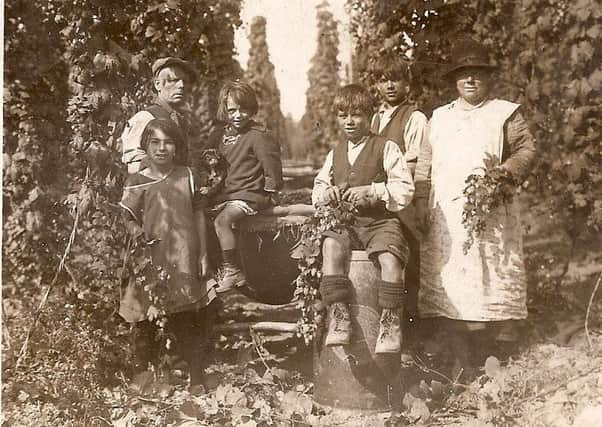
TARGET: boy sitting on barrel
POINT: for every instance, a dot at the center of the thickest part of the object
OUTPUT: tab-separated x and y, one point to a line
369	172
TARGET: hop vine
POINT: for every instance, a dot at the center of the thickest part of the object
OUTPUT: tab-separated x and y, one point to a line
308	253
154	279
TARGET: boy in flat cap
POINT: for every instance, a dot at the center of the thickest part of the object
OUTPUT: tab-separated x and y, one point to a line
172	81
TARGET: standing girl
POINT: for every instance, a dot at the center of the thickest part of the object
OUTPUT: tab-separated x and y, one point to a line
165	216
254	173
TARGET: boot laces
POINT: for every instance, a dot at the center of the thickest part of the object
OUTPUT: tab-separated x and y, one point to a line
226	270
387	323
340	316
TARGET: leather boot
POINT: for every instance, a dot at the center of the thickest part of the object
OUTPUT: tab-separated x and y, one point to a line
389	333
339	325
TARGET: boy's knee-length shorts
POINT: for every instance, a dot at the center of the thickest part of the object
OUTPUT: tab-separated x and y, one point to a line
375	236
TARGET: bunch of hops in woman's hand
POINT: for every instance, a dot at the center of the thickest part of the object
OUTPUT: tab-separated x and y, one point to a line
484	193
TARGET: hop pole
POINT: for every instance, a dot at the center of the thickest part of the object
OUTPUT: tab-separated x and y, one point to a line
589	306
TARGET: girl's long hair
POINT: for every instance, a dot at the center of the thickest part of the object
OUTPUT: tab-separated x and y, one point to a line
242	93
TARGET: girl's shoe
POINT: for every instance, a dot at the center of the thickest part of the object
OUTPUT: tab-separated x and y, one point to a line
230	277
389	333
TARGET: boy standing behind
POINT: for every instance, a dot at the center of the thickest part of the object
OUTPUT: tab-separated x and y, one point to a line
369	172
399	120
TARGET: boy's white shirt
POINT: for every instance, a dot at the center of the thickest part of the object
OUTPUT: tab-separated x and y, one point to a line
130	140
414	132
398	190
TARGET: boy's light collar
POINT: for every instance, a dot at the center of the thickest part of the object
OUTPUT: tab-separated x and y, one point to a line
359	141
387	106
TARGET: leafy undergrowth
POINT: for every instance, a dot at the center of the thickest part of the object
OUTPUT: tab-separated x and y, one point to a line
77	373
247	385
547	385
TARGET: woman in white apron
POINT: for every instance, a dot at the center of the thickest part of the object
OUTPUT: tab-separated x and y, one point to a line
478	295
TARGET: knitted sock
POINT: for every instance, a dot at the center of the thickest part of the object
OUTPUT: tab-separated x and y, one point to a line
229	257
390	294
335	288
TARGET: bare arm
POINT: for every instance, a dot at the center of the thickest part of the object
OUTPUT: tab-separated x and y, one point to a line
201	228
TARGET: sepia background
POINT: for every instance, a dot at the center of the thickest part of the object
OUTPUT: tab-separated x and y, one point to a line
75	71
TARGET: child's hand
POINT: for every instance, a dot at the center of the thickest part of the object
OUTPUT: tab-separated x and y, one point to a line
361	196
330	195
274	197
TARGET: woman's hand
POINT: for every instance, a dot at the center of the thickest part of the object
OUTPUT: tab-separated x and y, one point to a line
136	233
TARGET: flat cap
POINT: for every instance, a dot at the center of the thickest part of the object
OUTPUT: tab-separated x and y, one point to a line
161	63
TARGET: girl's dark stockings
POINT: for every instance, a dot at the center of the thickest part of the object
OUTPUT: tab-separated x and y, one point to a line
190	332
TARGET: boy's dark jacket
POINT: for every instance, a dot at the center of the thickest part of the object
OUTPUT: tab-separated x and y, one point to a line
254	165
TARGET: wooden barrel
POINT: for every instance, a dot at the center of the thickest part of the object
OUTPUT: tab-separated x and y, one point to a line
352	377
265	242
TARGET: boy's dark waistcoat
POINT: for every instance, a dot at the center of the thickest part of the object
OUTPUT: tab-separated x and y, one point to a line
368	168
395	129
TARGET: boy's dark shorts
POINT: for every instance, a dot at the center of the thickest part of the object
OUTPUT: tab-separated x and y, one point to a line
381	235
